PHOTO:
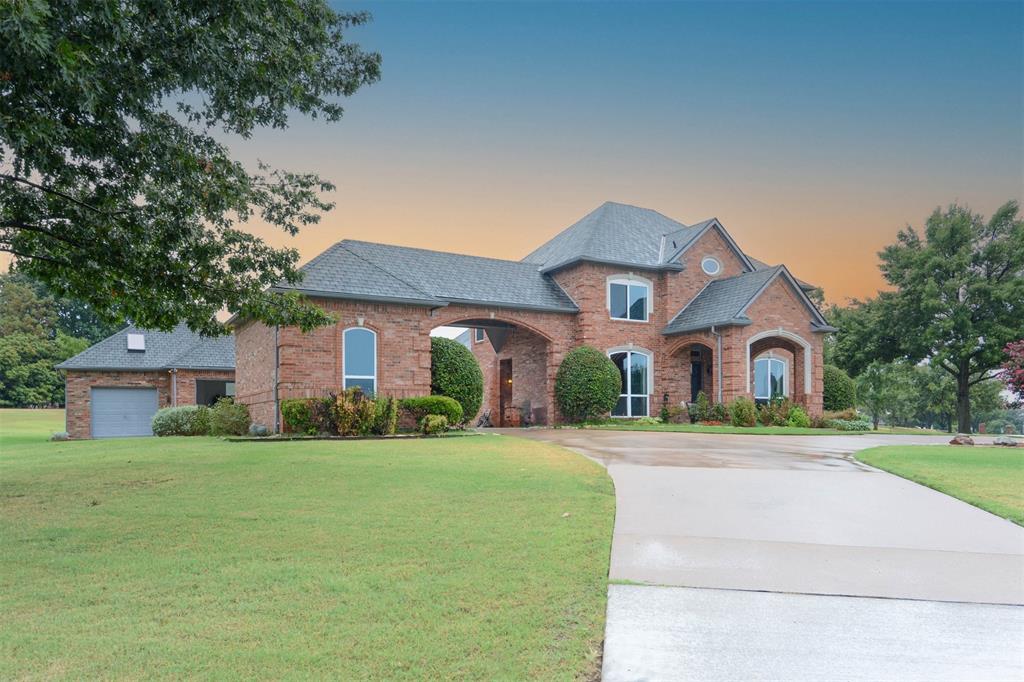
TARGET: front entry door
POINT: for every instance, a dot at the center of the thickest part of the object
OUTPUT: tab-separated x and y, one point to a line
696	379
504	390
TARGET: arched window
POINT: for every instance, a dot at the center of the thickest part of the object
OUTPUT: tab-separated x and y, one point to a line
635	369
769	378
359	361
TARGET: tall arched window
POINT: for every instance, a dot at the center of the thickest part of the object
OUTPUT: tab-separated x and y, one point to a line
635	369
769	378
359	361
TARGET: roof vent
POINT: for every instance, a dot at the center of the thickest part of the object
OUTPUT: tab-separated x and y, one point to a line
137	342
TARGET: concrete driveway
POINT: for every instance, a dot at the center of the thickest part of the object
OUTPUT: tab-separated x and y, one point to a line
764	557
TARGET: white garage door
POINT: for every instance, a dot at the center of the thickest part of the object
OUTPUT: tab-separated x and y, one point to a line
123	412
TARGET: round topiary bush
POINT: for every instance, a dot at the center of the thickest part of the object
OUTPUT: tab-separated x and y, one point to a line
587	384
840	391
454	372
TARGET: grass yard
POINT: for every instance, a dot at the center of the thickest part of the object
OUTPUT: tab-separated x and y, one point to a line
724	428
178	557
988	477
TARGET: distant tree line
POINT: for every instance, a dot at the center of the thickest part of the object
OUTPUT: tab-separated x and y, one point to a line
38	331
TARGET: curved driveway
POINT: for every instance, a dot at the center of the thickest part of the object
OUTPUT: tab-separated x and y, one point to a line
797	515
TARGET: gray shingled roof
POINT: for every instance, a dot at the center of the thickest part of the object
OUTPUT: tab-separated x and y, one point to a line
178	349
365	270
598	236
721	302
761	265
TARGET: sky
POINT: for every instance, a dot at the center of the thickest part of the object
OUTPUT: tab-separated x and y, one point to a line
812	131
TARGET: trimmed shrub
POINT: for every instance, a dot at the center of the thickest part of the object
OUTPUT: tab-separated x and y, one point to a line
354	412
701	410
840	392
677	414
434	424
297	415
418	408
775	412
797	417
587	385
385	416
849	424
228	418
718	413
187	420
743	412
454	372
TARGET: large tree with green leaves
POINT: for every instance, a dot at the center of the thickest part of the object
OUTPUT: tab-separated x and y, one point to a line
959	295
115	187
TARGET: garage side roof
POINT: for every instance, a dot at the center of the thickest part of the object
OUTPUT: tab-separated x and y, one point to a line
178	349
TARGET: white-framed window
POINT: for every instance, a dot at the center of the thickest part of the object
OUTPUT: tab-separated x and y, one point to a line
478	334
629	298
359	359
769	378
635	370
710	266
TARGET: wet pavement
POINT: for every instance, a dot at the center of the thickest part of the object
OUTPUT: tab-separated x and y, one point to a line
797	516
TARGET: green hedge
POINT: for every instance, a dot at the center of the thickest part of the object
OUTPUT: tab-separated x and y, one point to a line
743	412
419	408
587	385
840	391
187	420
228	418
454	372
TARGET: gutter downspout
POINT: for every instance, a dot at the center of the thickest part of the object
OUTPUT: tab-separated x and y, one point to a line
277	365
718	364
174	387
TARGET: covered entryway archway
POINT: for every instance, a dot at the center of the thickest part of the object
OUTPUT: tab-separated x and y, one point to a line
514	360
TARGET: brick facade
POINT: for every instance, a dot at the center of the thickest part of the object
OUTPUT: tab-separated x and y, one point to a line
79	385
284	363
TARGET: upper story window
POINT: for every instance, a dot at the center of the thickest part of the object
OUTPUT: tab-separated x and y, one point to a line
359	359
478	334
629	299
710	266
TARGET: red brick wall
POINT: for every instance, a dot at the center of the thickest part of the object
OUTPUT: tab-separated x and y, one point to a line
310	364
79	386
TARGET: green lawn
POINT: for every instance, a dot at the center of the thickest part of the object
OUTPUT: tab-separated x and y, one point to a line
439	558
988	477
724	428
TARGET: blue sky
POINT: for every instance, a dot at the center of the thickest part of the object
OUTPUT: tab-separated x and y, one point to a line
809	129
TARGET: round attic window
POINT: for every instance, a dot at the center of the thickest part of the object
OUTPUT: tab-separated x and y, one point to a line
711	266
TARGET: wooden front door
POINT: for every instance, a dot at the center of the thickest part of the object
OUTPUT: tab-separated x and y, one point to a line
504	391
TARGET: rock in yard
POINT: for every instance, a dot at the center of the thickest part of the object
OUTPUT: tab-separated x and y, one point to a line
962	439
1007	441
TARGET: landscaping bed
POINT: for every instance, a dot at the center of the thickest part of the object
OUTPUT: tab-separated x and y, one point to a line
627	425
436	558
991	478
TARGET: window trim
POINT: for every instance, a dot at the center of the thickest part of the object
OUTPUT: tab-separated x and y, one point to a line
345	376
769	358
479	335
628	280
650	380
711	259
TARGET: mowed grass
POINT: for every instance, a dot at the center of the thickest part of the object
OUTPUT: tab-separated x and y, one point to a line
988	477
723	428
173	558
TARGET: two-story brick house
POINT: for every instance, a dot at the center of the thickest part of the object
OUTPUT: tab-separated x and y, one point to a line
679	309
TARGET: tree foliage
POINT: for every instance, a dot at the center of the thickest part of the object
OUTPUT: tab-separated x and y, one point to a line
454	372
1013	369
27	374
886	391
587	385
114	188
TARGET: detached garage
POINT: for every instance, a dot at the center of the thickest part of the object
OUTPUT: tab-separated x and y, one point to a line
114	388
